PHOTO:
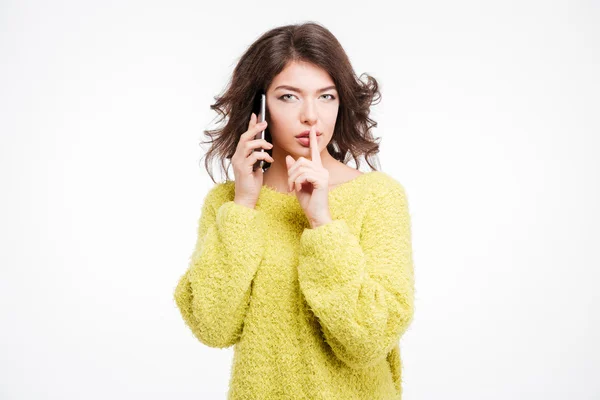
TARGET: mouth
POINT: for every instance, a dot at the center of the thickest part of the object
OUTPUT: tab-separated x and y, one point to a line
305	140
307	134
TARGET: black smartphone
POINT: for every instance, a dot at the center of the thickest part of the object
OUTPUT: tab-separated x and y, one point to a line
260	109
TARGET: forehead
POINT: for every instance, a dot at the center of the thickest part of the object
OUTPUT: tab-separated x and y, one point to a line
303	75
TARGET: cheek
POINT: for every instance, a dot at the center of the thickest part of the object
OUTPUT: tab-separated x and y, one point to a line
279	121
330	119
274	114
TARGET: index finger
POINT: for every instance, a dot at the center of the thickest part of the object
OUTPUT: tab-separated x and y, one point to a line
315	155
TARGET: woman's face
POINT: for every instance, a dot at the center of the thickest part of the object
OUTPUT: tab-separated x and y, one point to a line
300	96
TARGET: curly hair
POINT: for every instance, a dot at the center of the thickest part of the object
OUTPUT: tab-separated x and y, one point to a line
267	57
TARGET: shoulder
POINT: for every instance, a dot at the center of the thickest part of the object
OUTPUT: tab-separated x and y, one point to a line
386	195
219	194
382	185
374	193
368	189
387	211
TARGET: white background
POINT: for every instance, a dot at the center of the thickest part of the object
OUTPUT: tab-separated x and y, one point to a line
489	118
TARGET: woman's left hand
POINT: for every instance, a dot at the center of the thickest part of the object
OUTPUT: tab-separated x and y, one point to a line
310	181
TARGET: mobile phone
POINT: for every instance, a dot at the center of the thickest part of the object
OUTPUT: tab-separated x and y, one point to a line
261	112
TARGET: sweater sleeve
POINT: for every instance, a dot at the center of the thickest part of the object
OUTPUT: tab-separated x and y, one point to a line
214	293
361	289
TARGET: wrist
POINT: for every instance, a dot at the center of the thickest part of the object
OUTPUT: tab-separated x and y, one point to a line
317	223
244	203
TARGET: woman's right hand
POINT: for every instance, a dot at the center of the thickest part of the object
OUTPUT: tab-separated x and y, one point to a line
248	183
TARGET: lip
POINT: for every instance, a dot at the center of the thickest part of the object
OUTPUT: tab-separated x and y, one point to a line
305	140
307	134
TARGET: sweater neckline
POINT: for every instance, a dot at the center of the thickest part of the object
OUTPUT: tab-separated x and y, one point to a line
332	192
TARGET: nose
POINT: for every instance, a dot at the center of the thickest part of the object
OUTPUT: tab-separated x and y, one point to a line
309	113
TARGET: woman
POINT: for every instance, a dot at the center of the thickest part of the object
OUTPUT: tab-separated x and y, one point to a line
305	267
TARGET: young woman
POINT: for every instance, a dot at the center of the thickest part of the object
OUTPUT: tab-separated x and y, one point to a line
305	267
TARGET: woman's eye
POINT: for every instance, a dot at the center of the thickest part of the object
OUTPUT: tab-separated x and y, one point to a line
284	96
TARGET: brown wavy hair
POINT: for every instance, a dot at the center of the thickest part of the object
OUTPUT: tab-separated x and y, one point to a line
267	57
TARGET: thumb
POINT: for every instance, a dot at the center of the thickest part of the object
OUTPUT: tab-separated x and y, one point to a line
289	160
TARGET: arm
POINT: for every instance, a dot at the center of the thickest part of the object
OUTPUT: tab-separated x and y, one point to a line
214	293
361	289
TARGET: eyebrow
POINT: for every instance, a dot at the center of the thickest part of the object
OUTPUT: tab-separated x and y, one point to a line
294	89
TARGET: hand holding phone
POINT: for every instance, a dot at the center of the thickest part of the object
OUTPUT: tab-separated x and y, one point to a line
248	183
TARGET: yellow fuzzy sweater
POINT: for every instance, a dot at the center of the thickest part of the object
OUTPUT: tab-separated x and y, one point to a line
313	313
